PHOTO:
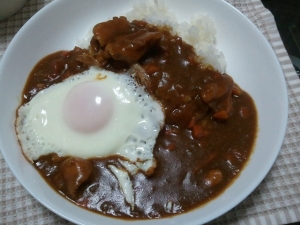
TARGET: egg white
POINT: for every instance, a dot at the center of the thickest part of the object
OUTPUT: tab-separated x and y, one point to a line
132	131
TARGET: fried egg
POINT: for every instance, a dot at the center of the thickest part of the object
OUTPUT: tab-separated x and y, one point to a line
94	114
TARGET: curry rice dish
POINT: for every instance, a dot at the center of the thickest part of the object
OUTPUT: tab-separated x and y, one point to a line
207	137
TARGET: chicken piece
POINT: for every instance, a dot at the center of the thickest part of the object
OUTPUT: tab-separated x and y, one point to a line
89	60
220	86
141	76
105	32
218	95
74	172
130	48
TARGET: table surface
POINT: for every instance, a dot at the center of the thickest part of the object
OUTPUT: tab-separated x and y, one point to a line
275	201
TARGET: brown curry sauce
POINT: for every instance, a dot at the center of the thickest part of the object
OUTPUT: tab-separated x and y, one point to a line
209	131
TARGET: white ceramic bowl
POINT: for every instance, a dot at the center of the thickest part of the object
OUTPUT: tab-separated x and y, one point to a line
251	62
9	7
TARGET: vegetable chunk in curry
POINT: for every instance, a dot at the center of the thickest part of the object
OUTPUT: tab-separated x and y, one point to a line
209	132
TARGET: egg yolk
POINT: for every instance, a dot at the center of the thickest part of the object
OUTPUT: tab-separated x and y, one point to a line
87	107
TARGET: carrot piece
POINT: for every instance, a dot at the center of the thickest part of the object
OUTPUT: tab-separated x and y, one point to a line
186	98
171	147
214	177
192	123
150	69
197	131
221	115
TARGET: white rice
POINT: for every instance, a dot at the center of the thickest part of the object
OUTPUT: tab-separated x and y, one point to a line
85	41
198	32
